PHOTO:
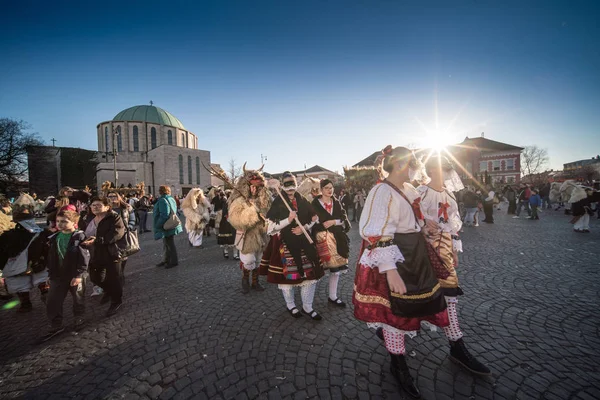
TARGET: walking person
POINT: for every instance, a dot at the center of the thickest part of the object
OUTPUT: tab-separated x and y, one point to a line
290	259
67	262
488	205
330	234
103	229
196	210
394	266
524	196
165	206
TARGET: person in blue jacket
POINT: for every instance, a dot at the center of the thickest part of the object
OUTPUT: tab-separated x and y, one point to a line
162	209
535	201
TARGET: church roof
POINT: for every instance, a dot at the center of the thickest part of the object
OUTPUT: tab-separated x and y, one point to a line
487	145
150	114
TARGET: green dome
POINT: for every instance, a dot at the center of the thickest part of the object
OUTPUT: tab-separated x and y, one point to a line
151	114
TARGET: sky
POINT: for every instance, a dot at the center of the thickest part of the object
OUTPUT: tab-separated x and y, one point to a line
310	82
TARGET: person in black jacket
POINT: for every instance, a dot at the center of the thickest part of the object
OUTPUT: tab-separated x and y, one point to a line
67	263
333	221
103	229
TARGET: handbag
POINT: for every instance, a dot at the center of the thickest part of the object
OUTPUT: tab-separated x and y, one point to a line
173	221
128	245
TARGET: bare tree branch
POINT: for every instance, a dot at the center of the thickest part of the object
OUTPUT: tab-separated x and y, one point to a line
13	150
234	170
534	160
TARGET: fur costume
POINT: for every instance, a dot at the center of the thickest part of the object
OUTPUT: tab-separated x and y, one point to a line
246	213
196	212
309	188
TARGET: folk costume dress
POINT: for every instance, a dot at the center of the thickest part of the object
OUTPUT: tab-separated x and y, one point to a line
333	244
290	260
442	208
391	228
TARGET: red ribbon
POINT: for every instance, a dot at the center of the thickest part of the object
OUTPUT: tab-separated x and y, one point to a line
294	205
416	205
329	207
443	210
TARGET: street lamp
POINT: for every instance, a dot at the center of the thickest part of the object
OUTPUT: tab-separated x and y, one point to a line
116	132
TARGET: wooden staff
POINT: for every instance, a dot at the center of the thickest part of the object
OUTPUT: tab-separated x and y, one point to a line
296	218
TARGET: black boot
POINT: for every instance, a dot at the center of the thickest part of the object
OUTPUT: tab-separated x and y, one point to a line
460	355
400	371
245	282
255	283
26	305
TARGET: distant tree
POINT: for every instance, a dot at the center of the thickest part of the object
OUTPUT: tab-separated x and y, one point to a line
534	160
14	141
234	170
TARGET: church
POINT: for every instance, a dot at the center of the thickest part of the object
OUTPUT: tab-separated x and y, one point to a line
148	144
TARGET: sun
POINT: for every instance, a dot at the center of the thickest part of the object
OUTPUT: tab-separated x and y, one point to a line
438	140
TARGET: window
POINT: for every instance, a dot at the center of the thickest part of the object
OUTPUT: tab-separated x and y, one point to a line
510	164
106	138
187	143
190	170
169	137
153	138
197	170
182	139
483	166
119	139
510	179
136	139
181	169
496	165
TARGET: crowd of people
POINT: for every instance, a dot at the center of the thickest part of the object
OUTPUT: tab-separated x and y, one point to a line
294	234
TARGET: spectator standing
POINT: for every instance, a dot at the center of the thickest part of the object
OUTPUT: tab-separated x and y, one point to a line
545	196
103	229
143	206
488	205
535	201
470	200
162	210
359	203
511	196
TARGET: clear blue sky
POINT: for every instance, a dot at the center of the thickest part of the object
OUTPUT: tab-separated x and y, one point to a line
310	82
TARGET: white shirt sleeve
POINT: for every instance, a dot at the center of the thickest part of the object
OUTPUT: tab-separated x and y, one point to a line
377	222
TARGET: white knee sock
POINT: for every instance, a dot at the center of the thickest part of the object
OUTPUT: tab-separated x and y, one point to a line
453	332
308	295
394	342
334	278
288	295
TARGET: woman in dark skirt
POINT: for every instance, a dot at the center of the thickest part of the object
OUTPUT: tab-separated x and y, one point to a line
290	260
330	236
226	234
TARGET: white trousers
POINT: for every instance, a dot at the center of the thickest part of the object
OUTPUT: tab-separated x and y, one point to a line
250	261
583	222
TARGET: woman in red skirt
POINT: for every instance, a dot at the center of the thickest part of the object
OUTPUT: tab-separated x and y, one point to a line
395	287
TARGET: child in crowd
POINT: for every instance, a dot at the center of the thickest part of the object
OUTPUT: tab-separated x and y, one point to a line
535	201
67	264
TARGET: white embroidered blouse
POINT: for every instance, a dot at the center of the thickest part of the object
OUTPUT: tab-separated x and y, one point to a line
385	213
442	208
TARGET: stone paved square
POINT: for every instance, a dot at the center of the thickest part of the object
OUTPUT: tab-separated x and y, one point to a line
530	311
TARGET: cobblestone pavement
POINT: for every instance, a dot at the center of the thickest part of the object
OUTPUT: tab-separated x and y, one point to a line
530	311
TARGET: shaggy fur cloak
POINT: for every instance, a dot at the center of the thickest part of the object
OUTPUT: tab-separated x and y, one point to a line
196	211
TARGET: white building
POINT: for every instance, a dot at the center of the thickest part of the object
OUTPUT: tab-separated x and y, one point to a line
153	147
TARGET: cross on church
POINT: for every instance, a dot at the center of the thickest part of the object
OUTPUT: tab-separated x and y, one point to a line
53	141
151	103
